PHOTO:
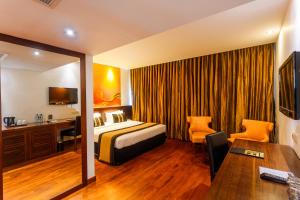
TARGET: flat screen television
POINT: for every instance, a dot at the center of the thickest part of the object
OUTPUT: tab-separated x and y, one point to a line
63	96
289	88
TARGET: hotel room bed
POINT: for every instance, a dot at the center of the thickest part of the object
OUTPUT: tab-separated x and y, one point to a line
134	138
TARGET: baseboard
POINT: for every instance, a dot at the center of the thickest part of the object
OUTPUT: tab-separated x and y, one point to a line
91	180
74	189
68	192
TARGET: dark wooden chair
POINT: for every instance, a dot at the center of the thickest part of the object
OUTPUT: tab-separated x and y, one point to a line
73	132
217	146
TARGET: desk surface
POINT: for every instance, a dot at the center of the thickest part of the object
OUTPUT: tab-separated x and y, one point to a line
238	176
30	125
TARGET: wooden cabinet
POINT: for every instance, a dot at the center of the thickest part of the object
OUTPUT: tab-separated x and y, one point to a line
21	144
42	141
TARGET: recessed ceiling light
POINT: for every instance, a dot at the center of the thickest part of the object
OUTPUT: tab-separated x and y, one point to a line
70	32
36	53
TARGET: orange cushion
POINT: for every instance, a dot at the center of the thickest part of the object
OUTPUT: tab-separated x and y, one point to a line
200	124
198	137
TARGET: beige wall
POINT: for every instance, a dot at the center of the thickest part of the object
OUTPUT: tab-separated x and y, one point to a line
25	93
288	41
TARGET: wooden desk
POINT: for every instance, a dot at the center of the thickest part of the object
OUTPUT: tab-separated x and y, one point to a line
238	176
36	140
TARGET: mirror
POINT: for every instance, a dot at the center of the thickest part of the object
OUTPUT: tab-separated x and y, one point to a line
41	122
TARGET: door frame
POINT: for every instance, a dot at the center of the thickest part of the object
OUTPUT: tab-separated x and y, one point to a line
81	56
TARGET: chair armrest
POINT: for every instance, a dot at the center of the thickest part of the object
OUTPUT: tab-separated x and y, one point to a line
212	130
271	127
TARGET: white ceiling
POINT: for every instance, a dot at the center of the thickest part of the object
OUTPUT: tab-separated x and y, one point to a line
251	24
20	57
102	25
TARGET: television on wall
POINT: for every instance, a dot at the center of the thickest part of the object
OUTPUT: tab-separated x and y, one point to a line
63	96
289	86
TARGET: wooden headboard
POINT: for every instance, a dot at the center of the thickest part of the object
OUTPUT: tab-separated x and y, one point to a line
126	109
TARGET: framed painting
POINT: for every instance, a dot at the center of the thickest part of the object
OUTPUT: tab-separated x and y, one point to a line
107	86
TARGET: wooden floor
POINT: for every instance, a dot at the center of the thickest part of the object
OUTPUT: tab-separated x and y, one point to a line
175	170
44	179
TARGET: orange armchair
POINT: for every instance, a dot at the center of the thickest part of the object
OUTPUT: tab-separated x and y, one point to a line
199	128
255	131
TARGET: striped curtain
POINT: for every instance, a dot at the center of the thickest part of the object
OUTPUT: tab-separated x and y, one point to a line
229	86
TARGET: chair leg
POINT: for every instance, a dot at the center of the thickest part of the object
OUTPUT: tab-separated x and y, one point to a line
75	143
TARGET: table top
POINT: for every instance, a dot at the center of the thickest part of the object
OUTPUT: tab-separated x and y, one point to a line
238	176
29	125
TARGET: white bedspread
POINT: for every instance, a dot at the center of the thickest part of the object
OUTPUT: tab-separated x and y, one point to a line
130	138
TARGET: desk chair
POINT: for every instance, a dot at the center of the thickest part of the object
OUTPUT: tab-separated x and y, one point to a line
217	146
254	130
73	132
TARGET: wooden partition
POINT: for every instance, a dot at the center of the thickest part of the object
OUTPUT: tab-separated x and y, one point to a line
81	56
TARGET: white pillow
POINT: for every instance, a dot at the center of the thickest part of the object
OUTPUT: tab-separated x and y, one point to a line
96	114
109	117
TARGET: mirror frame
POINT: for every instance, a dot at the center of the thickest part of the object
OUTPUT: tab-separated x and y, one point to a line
81	56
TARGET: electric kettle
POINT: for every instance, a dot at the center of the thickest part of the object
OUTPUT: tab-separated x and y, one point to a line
9	121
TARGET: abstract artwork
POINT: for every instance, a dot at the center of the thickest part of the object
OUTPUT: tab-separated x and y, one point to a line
106	86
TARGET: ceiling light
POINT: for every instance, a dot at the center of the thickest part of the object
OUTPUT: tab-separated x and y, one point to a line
70	32
36	53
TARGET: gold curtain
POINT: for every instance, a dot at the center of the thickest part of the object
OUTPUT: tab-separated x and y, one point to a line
229	86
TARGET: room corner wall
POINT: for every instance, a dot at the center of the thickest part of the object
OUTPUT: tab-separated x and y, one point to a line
288	41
